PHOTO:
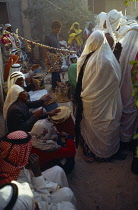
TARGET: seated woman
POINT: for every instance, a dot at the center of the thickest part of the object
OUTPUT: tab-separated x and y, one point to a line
18	78
47	144
16	109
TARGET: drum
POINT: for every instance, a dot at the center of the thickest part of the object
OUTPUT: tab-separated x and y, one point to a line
63	121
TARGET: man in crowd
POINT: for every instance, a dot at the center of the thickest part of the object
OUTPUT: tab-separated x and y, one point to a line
52	40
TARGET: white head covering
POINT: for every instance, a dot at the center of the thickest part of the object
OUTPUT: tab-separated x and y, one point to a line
96	43
122	32
131	22
7	25
123	21
129	51
13	78
15	67
92	44
100	21
25	199
11	97
14	51
112	22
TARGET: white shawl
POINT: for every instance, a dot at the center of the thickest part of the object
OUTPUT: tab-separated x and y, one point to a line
122	32
11	97
13	78
100	21
25	199
129	52
112	22
101	97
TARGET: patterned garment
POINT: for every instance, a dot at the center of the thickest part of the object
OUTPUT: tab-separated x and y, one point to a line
44	136
15	149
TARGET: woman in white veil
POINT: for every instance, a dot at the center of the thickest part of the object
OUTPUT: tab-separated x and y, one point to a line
112	23
128	54
98	98
100	20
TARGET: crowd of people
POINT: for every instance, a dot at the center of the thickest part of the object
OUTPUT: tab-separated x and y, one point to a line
36	154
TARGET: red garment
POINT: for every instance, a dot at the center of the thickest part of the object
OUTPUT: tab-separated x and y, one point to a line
12	60
64	152
6	39
13	157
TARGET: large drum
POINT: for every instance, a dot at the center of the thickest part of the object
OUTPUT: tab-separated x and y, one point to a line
63	121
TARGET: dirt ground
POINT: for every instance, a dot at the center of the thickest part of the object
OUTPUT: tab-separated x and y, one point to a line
102	186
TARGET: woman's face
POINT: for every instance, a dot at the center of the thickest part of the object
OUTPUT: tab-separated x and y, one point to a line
76	26
20	82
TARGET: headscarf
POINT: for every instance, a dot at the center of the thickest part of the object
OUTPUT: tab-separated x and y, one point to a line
122	32
7	25
112	22
15	149
15	67
13	78
131	22
11	97
98	44
72	37
91	46
129	51
123	22
18	195
44	136
100	21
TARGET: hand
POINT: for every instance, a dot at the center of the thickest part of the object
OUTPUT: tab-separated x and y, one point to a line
38	113
34	164
46	98
64	134
53	112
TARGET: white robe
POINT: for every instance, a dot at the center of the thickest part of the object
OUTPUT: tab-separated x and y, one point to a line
128	54
44	189
101	97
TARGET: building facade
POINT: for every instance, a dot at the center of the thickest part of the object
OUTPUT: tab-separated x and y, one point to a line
98	6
